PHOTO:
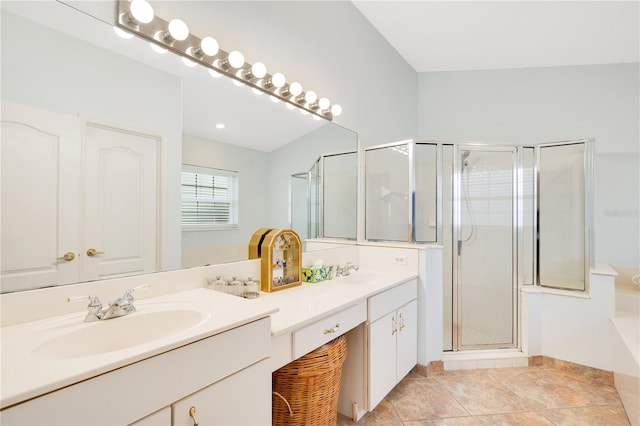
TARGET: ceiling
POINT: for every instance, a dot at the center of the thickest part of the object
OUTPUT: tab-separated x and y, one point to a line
476	35
430	35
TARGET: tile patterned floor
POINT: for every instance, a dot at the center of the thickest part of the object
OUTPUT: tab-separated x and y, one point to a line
506	396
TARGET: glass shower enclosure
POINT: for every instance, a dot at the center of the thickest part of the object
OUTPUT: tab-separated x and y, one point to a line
507	217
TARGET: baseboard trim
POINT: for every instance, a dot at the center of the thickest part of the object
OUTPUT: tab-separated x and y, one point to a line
593	374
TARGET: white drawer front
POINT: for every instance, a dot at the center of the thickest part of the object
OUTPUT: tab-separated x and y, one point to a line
383	303
317	334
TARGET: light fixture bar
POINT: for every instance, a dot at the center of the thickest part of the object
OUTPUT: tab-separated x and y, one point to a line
157	31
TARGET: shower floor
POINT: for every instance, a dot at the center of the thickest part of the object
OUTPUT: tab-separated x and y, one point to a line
480	336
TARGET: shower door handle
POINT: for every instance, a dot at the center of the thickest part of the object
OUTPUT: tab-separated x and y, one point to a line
459	247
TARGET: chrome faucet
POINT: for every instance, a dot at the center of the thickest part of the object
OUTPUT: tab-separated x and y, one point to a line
346	269
120	307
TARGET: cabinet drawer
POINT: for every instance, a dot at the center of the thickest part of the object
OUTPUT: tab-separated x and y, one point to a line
320	332
385	302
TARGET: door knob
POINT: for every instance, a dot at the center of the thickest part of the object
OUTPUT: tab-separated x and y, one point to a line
68	256
92	252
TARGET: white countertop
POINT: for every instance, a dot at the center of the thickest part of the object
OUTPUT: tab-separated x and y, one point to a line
302	305
28	370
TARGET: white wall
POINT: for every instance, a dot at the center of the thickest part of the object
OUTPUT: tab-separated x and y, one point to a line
572	328
211	247
53	71
527	106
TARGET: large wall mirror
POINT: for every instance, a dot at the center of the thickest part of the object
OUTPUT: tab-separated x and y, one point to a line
64	67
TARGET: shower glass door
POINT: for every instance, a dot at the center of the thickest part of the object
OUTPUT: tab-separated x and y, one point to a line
486	235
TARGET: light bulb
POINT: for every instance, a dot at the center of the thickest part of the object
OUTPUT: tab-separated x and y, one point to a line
278	80
188	62
214	74
310	97
236	59
295	88
324	103
178	29
209	46
158	49
122	33
258	70
336	110
141	11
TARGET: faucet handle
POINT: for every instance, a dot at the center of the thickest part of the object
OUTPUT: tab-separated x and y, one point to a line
94	308
128	295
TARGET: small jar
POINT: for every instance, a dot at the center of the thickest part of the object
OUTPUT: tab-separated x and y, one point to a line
251	289
218	284
234	287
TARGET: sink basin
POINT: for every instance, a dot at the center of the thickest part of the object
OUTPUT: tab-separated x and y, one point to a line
150	322
359	277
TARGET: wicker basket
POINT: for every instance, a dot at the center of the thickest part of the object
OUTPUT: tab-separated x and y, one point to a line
305	391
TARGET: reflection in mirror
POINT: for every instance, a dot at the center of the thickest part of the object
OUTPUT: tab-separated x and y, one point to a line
95	78
299	204
339	195
324	199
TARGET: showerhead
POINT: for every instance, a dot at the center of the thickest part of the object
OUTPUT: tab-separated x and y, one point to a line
465	162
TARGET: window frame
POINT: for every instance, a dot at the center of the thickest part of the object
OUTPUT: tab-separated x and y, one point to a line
233	199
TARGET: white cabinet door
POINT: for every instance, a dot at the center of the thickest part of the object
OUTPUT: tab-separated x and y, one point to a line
40	197
382	358
120	202
407	339
243	398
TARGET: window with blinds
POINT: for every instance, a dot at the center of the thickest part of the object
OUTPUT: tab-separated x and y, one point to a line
209	199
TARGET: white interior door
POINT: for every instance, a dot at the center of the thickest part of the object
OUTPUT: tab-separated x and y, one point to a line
120	202
39	197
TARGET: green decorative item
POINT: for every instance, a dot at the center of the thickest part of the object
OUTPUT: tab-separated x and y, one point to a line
315	275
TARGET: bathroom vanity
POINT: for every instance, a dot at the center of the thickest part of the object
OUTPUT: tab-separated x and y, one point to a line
198	355
157	382
378	313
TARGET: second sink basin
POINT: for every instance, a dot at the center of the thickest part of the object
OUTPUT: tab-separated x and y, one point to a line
150	322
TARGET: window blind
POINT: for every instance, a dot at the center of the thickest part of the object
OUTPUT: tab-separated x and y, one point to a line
209	198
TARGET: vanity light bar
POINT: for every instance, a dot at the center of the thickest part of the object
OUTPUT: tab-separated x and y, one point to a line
175	36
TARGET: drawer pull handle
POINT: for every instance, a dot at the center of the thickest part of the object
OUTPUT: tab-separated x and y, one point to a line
332	330
192	414
401	322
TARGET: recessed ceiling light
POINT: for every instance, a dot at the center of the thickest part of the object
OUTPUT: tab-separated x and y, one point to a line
220	126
